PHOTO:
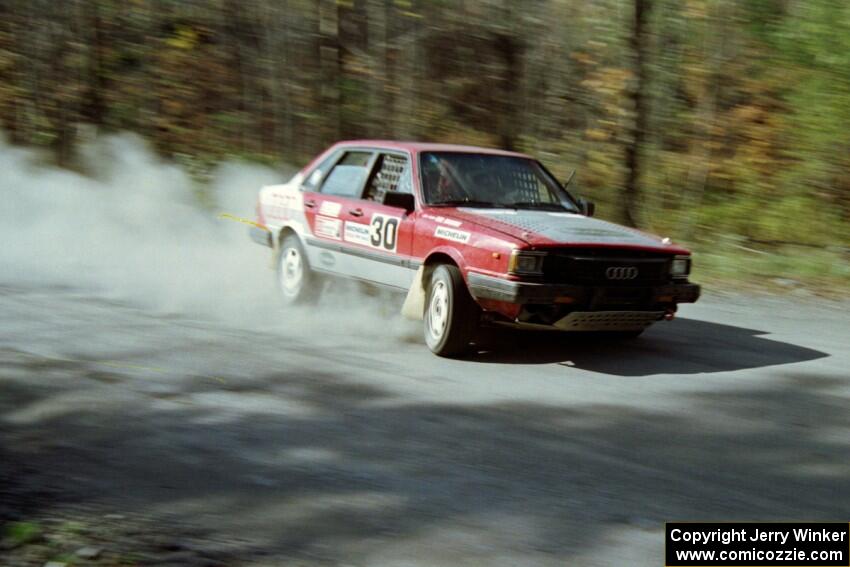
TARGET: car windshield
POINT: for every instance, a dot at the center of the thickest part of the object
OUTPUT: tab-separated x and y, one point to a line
487	180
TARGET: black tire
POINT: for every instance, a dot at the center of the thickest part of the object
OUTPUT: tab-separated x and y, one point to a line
451	315
296	283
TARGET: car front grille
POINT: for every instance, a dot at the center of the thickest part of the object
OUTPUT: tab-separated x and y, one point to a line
610	268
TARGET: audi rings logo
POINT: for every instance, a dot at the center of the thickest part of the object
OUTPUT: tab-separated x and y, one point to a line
621	273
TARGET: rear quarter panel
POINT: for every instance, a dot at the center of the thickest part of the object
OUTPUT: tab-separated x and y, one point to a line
283	206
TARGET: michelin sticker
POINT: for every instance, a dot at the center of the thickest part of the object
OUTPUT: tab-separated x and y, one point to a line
452	234
328	227
381	232
357	233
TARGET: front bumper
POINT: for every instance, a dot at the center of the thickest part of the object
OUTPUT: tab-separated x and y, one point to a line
588	297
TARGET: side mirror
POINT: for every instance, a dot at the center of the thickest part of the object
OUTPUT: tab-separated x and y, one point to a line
399	200
587	207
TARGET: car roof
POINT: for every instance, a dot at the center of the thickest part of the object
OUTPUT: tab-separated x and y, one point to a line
419	147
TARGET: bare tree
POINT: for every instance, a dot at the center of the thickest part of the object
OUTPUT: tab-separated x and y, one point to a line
639	44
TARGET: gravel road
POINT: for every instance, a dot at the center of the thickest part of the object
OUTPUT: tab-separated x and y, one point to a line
327	440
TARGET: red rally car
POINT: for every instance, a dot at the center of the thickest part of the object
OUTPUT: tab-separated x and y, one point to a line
473	236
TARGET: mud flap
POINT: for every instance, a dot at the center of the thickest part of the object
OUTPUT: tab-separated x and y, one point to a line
414	303
275	238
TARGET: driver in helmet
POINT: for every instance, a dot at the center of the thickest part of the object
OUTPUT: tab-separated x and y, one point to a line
439	183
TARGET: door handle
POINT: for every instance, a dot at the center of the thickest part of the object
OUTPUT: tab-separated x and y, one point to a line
310	204
356	212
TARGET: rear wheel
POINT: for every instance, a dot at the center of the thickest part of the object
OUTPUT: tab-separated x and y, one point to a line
451	315
295	281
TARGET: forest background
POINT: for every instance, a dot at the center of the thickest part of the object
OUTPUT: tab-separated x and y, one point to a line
723	124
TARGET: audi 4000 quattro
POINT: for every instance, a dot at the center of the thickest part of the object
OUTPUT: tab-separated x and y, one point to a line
473	236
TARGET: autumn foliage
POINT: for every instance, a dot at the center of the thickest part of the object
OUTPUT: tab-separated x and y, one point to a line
738	113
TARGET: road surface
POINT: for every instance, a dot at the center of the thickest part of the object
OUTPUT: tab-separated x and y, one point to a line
338	439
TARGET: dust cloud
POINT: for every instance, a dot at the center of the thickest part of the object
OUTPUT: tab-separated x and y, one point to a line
130	228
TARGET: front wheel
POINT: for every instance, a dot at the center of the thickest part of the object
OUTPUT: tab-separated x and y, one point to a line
451	315
295	280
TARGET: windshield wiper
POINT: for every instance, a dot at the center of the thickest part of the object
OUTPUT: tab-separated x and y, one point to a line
537	205
466	202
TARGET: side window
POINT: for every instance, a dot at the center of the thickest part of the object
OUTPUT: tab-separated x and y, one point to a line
348	175
392	174
405	184
318	173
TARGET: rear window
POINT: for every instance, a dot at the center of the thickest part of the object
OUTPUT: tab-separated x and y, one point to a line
319	172
347	177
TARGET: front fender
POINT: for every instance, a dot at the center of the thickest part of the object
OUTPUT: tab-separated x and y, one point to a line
442	252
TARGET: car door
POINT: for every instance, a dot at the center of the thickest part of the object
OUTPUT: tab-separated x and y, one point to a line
328	201
377	236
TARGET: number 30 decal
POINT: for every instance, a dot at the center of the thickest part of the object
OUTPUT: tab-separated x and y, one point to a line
383	232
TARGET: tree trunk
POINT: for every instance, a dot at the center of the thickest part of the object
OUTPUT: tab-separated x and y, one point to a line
509	120
329	75
639	44
94	106
379	87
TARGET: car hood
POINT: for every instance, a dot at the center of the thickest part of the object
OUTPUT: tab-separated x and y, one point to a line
546	228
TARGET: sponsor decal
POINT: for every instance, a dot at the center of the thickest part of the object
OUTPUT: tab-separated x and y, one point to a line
358	233
281	205
330	208
443	220
380	233
452	234
383	232
328	227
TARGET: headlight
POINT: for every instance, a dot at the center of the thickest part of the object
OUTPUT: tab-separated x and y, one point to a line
680	267
526	263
